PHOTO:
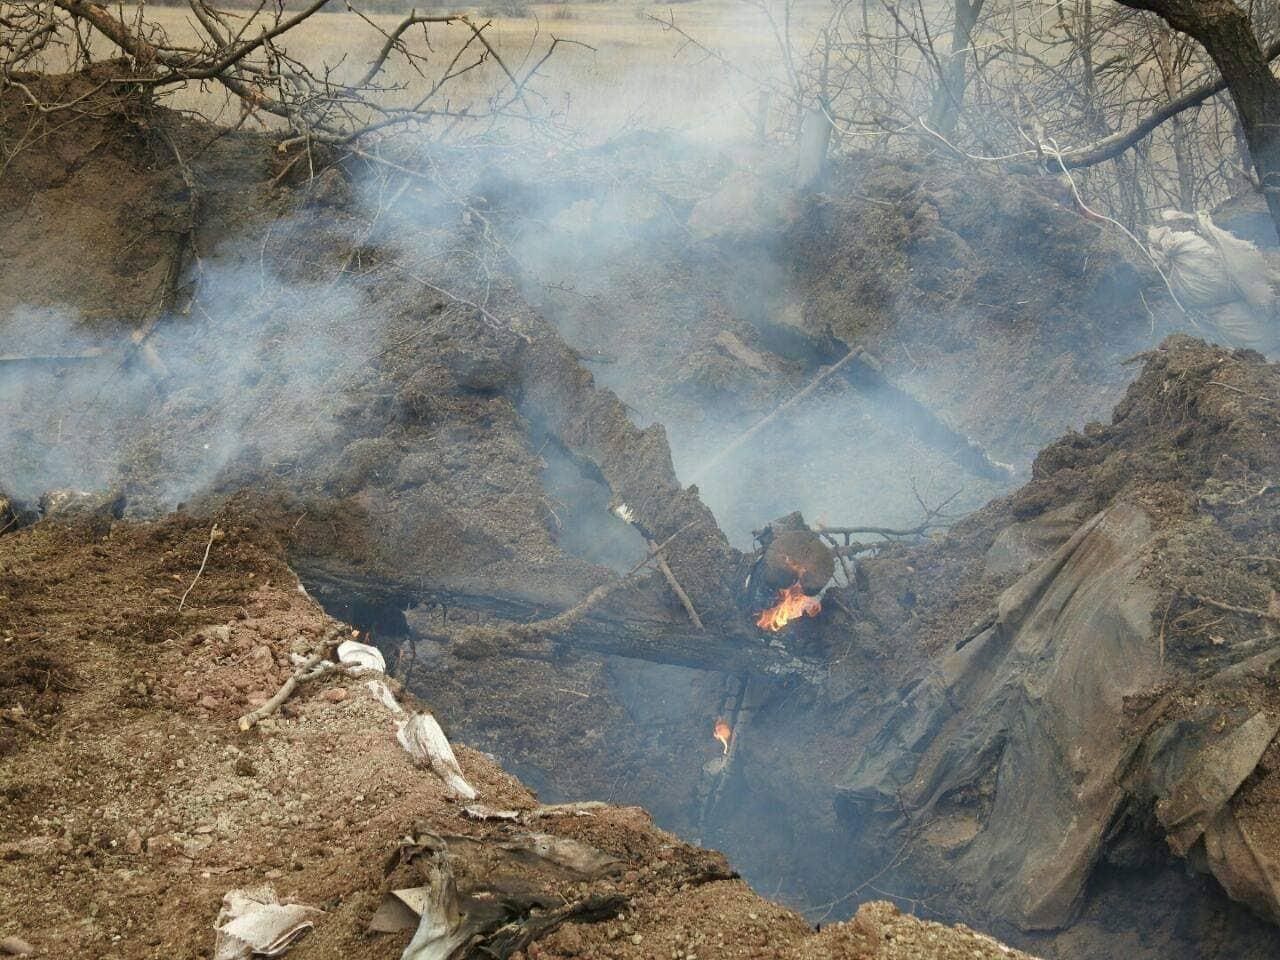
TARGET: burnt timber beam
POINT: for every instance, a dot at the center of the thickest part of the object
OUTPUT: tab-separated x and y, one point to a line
604	630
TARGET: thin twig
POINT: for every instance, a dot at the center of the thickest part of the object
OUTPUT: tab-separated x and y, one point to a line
674	584
214	534
1233	608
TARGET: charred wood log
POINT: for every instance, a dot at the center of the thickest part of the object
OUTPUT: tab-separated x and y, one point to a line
626	627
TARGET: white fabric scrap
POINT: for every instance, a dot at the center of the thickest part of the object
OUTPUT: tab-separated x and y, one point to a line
1195	269
361	657
382	693
253	923
422	737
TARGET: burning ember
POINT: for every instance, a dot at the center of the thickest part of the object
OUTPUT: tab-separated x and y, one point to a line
722	733
792	603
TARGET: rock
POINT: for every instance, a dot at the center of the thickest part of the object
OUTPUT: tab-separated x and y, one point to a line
133	843
798	555
335	694
209	701
80	504
16	947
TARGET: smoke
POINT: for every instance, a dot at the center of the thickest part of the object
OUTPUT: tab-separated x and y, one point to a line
669	245
164	419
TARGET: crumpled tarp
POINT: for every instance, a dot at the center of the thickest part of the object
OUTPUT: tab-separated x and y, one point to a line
1026	712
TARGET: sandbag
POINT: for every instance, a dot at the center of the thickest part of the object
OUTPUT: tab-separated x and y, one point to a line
1227	280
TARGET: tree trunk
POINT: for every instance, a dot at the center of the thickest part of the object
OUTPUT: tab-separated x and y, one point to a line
948	99
1226	33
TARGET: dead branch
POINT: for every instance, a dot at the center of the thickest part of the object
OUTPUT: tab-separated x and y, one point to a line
251	64
760	424
674	584
309	669
551	626
92	353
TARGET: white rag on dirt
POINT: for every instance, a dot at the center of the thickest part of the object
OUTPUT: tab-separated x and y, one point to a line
360	657
253	923
1227	279
422	737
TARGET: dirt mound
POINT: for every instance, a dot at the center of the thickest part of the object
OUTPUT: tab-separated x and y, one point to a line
80	229
974	289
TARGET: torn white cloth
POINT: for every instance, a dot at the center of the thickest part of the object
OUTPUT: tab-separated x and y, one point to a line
359	657
422	737
253	923
382	693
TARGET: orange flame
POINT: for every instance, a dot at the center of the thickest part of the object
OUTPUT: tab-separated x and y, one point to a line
792	603
722	733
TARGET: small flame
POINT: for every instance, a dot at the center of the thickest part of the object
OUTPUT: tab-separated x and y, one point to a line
792	603
722	733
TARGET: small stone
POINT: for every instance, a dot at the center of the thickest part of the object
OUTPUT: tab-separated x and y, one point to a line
209	701
335	694
16	947
244	767
636	938
133	843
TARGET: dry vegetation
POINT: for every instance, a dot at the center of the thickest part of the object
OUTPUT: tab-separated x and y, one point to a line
1117	93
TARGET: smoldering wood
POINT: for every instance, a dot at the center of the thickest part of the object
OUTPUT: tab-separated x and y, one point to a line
605	630
516	936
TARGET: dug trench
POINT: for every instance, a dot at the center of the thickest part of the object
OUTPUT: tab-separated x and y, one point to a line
1050	717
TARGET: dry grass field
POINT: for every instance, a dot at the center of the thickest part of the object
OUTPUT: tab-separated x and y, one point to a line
623	69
